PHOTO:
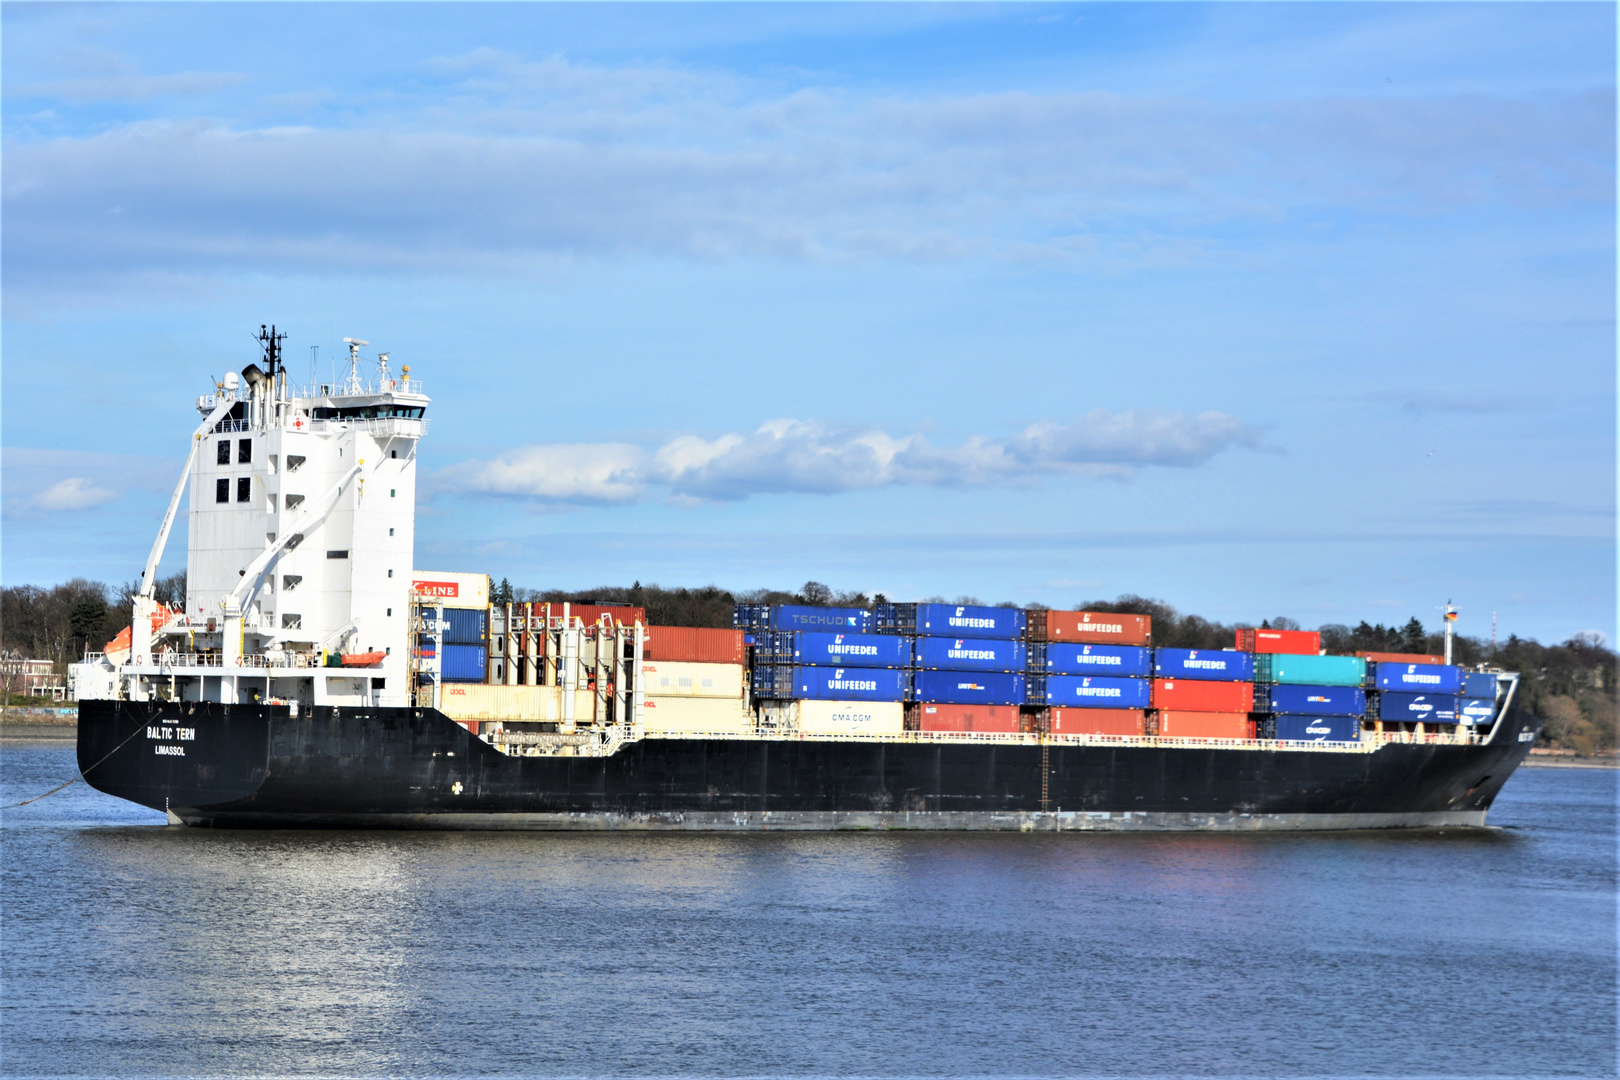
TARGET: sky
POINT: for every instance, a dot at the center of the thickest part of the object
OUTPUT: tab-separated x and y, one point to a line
1263	310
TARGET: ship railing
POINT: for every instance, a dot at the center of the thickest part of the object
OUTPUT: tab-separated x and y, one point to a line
1463	736
363	387
172	660
232	425
1020	739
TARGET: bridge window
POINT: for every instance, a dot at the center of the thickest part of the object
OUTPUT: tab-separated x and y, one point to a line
244	451
244	489
222	455
222	489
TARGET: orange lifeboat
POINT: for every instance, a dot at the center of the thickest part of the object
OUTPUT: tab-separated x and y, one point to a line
364	659
117	649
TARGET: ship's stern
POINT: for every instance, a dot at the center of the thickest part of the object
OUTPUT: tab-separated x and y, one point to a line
183	758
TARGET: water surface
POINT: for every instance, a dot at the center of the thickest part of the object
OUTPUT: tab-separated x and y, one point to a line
132	948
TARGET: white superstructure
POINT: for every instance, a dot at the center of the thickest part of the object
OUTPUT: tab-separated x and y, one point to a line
298	569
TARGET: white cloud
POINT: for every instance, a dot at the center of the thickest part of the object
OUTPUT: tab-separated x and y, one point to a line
809	457
514	160
74	493
578	472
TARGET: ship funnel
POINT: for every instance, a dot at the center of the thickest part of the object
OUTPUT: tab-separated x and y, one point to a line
255	377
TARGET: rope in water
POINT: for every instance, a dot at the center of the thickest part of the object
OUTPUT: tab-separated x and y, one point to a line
76	779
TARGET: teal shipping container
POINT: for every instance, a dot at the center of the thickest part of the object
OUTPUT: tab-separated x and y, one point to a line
1310	670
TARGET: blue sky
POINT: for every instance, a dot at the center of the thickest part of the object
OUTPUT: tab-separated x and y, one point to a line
1263	310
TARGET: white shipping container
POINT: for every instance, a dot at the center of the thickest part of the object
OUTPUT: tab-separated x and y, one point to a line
672	679
847	717
691	715
489	702
452	590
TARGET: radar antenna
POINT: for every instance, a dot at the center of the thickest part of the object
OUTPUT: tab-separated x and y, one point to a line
353	385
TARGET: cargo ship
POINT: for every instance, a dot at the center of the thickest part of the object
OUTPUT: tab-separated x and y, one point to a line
312	676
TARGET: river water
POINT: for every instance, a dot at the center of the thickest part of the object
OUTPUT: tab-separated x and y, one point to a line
134	949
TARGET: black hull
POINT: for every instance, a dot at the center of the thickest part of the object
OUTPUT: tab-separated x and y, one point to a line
257	766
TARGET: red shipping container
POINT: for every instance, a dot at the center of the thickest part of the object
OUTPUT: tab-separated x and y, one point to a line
1196	695
1401	658
1205	725
1101	627
1098	721
1001	719
693	644
1298	642
590	614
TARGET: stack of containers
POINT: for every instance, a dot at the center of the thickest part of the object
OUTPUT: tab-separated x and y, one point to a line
1307	697
1416	691
968	663
1203	693
1478	702
827	671
693	680
466	644
1092	669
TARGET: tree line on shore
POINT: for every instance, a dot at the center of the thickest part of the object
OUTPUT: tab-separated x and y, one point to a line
1572	685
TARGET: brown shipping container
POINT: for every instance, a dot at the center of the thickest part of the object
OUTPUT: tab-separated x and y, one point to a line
1298	642
1401	658
1205	725
1197	695
1002	719
695	644
1098	721
590	614
1102	627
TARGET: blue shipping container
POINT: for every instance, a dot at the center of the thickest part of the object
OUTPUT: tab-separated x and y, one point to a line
1211	665
1479	684
1476	710
466	626
850	684
950	620
1410	708
848	620
847	650
463	663
1318	728
1098	692
969	654
968	688
1419	678
1128	661
1318	700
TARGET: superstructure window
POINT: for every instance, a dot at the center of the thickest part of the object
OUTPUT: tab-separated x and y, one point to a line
222	489
222	455
337	554
371	412
291	622
244	489
244	451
